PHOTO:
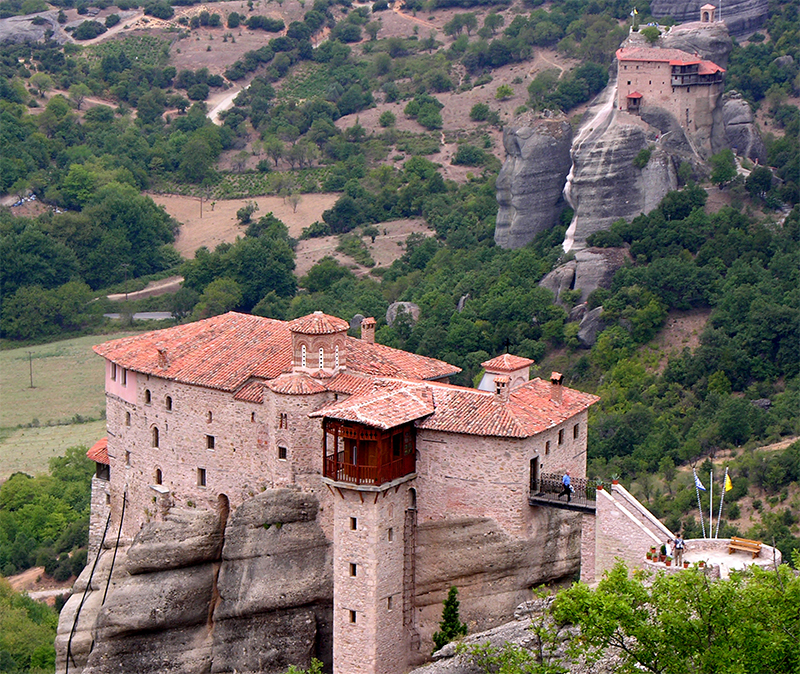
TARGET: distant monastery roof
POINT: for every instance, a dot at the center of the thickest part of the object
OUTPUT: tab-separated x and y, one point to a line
675	57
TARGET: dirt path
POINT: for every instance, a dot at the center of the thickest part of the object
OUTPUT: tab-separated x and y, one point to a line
396	10
127	18
154	289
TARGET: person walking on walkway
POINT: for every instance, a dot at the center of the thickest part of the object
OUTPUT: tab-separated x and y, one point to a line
566	487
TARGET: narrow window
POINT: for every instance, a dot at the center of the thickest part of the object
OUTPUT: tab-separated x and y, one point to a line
547	448
390	535
127	458
561	437
210	442
575	431
147	398
353	569
353	617
209	417
252	417
159	477
123	376
113	372
353	524
201	477
282	453
303	356
389	603
283	421
321	358
127	418
155	436
336	356
168	403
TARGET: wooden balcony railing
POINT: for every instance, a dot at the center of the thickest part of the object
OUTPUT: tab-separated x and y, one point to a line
336	468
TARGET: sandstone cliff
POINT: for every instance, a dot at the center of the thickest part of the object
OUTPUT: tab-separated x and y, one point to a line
740	16
198	593
530	183
741	129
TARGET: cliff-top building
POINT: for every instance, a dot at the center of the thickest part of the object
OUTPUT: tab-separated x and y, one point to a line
417	480
681	83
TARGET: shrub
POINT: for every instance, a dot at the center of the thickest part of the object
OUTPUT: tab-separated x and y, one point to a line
387	118
479	112
159	9
88	30
641	159
469	155
112	20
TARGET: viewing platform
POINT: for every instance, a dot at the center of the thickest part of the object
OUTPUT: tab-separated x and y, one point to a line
545	491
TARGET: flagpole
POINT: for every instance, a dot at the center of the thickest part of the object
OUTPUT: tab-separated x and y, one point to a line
722	500
699	507
710	503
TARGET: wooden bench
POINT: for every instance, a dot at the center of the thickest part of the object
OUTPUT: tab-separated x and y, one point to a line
745	545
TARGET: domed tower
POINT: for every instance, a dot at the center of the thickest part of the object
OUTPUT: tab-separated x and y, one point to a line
318	344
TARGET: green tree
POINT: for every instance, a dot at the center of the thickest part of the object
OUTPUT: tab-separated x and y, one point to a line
220	296
450	627
503	92
650	33
723	167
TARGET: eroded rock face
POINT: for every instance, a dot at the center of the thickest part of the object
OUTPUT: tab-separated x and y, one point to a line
741	129
257	598
530	183
712	41
592	268
410	309
492	570
740	16
607	186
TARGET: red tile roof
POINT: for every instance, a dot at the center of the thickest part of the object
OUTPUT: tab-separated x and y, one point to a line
506	363
679	56
709	68
226	352
318	324
529	409
295	385
634	94
99	451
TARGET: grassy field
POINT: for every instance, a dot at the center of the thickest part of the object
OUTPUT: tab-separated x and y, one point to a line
40	422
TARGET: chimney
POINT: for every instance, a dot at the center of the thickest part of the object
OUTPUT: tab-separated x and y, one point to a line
501	387
556	381
368	330
162	359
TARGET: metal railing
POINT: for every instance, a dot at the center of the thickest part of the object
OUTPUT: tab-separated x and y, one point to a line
548	486
336	468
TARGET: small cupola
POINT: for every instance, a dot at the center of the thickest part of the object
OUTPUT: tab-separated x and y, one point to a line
515	368
318	344
707	13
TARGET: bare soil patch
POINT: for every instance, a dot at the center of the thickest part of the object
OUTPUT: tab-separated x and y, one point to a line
219	225
681	331
388	247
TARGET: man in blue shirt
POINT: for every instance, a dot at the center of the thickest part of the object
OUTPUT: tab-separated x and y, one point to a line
566	488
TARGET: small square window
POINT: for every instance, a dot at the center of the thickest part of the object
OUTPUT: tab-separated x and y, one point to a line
353	617
282	453
353	524
201	477
353	569
210	441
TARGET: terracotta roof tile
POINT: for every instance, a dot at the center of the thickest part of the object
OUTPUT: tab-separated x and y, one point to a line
506	363
99	451
347	383
318	324
656	54
295	385
225	352
709	68
528	410
251	392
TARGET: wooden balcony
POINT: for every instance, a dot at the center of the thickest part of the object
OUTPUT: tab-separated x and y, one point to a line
359	455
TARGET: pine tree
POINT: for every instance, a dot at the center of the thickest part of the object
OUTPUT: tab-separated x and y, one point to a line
451	626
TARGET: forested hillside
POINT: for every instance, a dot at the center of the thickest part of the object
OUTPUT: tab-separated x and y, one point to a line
91	130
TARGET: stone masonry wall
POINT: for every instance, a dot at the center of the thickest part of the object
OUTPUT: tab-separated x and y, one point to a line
98	515
368	633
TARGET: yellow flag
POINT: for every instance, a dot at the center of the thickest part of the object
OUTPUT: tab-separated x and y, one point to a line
728	483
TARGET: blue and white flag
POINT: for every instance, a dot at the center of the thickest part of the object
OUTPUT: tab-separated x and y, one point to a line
697	483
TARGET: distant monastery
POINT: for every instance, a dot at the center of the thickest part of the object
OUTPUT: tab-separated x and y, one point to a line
208	414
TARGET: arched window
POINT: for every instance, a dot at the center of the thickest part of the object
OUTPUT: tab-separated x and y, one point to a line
159	477
321	358
155	436
303	356
168	403
209	417
147	396
127	418
336	356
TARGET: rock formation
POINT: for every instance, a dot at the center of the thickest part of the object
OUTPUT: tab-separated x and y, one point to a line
710	40
590	269
198	594
741	130
409	308
530	183
740	16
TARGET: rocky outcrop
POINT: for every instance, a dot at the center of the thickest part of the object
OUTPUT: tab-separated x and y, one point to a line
606	185
741	129
530	183
591	326
590	269
23	29
740	16
492	570
188	598
395	308
712	41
